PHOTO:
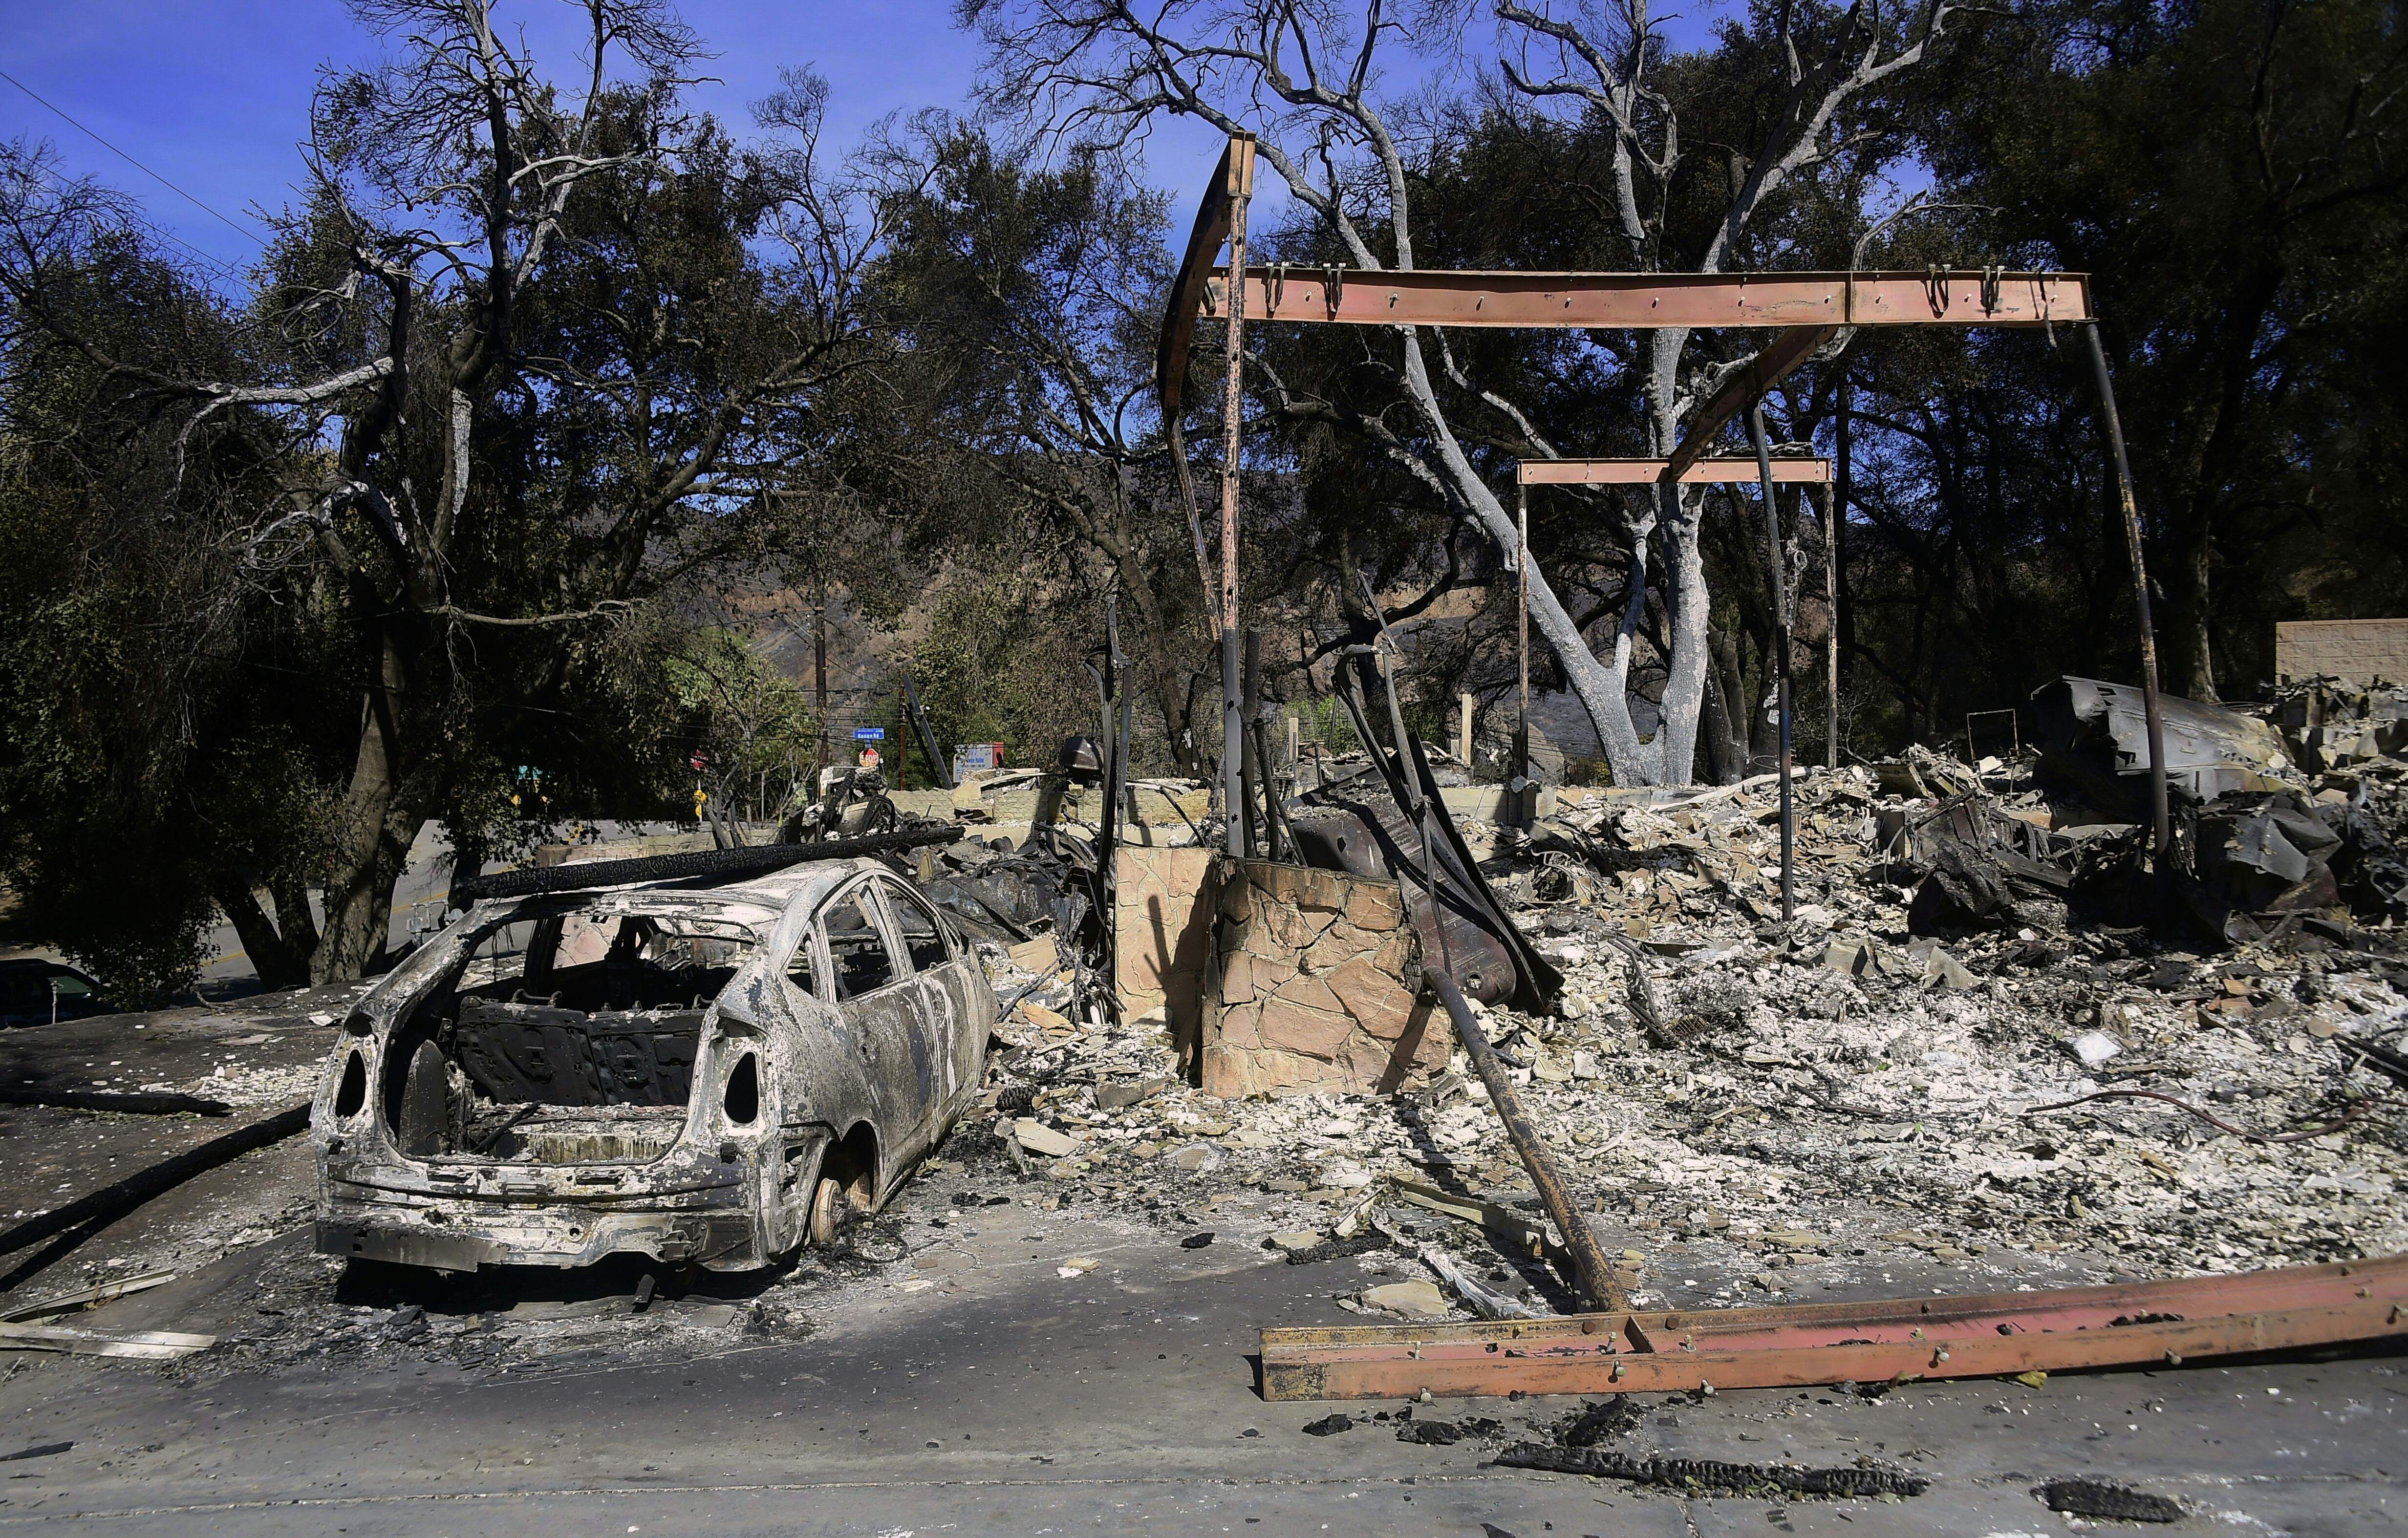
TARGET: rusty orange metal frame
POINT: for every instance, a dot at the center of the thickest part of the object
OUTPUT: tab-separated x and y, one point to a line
1984	1335
1639	472
1644	300
1811	306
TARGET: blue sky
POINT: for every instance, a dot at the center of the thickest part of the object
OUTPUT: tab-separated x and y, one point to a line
214	94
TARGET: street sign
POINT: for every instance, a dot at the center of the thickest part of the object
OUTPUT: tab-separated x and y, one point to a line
869	734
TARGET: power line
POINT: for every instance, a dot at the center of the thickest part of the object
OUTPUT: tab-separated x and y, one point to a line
129	159
158	231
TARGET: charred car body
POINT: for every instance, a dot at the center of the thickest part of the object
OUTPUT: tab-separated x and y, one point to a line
709	1075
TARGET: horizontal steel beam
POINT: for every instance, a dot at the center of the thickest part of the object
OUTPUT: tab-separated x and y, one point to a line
1984	1335
1630	472
1614	301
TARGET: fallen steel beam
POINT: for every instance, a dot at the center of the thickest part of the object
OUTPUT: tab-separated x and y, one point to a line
1649	301
85	1297
1984	1335
1639	472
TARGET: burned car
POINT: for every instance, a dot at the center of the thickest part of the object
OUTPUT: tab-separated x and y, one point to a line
713	1075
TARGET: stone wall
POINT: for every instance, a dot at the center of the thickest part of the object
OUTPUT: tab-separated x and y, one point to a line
1163	936
1306	989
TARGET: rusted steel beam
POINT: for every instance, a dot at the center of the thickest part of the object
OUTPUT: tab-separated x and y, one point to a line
1984	1335
1741	391
1590	1272
1639	472
1646	301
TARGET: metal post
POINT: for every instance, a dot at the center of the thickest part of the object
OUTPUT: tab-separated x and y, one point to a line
1236	840
1251	781
1524	803
2158	801
1590	1272
819	678
1522	572
1115	767
1781	658
1831	630
1843	614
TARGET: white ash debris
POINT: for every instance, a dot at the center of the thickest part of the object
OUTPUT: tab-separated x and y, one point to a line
255	1085
1826	1099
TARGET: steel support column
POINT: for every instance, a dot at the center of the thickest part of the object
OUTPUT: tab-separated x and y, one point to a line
1779	572
2159	811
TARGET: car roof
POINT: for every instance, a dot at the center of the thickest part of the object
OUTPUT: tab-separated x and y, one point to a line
811	882
767	896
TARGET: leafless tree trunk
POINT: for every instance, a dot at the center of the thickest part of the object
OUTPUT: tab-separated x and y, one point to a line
1301	78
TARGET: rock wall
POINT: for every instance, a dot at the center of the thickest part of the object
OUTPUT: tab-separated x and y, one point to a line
1306	987
1162	926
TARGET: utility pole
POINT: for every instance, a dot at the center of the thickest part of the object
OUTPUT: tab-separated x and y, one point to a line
1781	657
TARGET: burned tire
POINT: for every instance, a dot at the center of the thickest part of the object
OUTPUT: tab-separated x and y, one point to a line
878	817
831	1208
425	1104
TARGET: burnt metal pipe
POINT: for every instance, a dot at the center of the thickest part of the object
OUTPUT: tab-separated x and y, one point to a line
2158	807
1781	658
1591	1275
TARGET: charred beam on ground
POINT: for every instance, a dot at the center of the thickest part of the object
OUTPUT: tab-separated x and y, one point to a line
1904	1340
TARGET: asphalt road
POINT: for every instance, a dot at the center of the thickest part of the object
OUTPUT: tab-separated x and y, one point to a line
1006	1398
957	1379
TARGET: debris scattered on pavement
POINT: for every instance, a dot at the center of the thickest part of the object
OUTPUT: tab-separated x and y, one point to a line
2107	1500
1703	1476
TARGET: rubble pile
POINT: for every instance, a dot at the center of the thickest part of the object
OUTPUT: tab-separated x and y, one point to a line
1971	1048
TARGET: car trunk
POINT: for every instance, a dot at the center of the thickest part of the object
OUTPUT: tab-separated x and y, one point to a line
561	1041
